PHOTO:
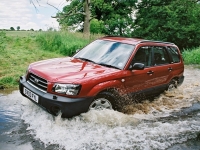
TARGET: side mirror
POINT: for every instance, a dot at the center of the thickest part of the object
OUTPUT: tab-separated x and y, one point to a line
137	66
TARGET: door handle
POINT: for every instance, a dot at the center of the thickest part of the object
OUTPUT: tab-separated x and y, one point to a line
150	72
170	69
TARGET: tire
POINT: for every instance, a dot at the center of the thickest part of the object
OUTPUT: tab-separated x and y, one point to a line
104	100
172	85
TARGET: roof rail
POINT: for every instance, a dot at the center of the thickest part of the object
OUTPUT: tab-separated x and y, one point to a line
112	36
143	41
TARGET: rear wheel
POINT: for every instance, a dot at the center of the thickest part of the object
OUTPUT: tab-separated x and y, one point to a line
172	85
104	100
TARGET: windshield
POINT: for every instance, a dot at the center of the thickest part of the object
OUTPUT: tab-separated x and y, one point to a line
107	53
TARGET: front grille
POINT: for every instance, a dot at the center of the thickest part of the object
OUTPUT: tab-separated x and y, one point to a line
38	82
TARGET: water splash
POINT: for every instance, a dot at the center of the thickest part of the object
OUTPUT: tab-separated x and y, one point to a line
147	125
104	130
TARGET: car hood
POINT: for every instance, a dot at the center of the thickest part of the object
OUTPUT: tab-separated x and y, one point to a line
69	70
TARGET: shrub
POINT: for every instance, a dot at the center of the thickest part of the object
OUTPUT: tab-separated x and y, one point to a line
191	56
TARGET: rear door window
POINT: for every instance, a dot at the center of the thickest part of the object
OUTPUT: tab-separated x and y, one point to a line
161	56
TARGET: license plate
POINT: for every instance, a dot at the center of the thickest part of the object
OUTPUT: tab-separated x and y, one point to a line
31	95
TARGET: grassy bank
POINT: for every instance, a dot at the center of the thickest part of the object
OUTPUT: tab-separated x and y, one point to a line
17	52
63	42
20	48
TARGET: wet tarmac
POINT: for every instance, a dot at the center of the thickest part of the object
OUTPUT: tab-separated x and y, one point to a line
171	121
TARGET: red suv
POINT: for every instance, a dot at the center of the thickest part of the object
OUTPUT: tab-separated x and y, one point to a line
102	74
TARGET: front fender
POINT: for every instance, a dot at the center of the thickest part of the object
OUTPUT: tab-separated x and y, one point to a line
106	85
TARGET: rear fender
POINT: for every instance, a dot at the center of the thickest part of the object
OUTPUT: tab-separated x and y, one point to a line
106	85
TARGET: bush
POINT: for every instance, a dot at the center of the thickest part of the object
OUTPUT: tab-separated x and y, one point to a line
191	56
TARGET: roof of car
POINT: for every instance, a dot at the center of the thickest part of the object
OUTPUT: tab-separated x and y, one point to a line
134	41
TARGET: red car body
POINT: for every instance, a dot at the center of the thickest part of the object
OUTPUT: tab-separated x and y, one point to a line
93	79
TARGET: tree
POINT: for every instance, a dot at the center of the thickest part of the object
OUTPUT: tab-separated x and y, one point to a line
77	8
12	29
169	20
107	11
117	15
18	28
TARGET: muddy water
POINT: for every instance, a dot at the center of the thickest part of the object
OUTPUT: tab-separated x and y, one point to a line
171	121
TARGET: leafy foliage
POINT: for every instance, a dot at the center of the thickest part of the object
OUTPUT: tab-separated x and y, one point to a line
114	16
169	20
191	56
96	26
67	20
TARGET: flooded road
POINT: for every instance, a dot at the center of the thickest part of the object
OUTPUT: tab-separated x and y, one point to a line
171	121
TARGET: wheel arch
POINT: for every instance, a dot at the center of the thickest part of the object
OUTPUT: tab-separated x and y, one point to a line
174	79
111	93
112	87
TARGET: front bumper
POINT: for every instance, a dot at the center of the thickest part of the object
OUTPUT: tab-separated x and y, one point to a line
69	107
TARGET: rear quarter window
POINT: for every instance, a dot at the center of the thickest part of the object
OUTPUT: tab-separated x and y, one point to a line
173	51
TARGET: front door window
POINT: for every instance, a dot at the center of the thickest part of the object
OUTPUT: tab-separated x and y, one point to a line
144	56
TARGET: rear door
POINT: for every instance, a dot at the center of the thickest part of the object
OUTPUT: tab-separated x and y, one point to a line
161	67
176	62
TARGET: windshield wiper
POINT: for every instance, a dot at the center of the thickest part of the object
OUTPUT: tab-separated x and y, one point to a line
110	66
85	59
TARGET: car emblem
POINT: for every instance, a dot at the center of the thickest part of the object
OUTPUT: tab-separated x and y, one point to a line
36	81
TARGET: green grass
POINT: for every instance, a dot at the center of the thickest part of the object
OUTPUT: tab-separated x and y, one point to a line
17	54
65	43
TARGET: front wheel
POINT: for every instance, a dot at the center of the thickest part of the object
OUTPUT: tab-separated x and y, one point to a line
103	100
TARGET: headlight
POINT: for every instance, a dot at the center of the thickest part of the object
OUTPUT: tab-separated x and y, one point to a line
68	89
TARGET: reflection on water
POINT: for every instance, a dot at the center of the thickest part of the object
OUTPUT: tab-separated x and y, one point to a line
9	109
164	123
